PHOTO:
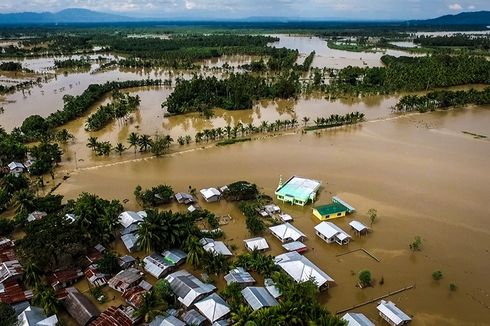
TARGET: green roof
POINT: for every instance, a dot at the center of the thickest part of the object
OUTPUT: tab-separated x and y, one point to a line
331	209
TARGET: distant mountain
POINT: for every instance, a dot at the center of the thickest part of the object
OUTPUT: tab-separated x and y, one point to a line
74	15
464	18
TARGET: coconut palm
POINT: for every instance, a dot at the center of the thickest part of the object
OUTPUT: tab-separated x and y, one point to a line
24	201
241	316
148	236
120	148
32	275
45	297
151	306
194	250
144	143
133	140
92	142
305	120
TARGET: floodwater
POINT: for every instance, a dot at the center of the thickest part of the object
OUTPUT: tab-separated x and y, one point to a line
326	57
423	175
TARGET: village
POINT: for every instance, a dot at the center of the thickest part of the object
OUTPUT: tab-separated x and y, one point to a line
196	300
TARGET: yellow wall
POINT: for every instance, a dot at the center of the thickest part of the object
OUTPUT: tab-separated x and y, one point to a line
329	217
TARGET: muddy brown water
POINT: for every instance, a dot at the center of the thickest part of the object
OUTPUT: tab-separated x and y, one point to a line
423	175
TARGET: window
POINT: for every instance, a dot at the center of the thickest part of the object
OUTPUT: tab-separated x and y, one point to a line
338	214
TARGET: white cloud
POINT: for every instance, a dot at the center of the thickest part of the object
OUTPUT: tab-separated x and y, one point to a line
471	7
455	6
189	5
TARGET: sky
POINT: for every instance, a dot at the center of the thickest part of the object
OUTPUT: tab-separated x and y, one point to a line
349	9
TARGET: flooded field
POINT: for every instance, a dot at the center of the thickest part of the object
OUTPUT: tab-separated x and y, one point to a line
423	175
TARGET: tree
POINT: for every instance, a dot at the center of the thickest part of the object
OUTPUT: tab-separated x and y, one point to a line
24	201
305	120
32	275
120	148
416	245
373	214
148	237
133	140
109	263
242	315
437	275
92	142
365	278
144	143
194	251
161	144
8	315
45	297
150	307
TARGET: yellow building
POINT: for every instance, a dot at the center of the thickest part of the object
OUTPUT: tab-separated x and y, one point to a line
330	211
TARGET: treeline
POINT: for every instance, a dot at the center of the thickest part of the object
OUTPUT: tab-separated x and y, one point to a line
458	40
442	100
335	120
122	104
72	64
412	74
76	106
237	92
11	66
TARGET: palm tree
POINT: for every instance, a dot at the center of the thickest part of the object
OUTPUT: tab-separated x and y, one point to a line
194	250
144	142
92	142
32	275
305	120
120	148
241	316
133	140
151	306
45	297
293	122
228	131
148	238
24	201
188	139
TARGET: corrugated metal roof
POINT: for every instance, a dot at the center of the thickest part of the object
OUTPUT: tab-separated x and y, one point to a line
80	307
125	279
239	275
215	247
301	269
329	230
392	312
33	316
356	319
272	288
156	265
286	232
167	321
299	188
175	256
258	297
258	243
213	307
294	246
192	317
129	217
336	199
358	226
130	241
187	287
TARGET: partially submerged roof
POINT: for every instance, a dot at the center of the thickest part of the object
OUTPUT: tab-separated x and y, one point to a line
286	217
187	287
129	217
392	312
356	319
258	243
358	226
166	321
15	165
332	208
287	231
239	275
215	247
210	192
294	246
301	269
80	307
329	229
299	188
258	297
184	198
213	307
35	216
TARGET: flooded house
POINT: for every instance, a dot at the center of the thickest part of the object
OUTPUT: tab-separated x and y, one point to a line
79	307
130	241
297	246
356	319
64	278
213	307
258	297
215	247
297	190
188	288
157	266
116	316
35	316
135	296
126	261
258	243
210	195
239	275
184	198
125	279
338	208
301	269
192	317
329	232
10	271
175	256
36	216
94	277
359	228
128	218
271	287
16	168
392	314
12	292
167	321
287	233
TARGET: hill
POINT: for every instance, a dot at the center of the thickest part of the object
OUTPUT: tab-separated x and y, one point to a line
74	15
464	18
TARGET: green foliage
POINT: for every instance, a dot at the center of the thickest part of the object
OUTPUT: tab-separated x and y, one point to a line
121	105
6	226
335	120
7	315
72	64
373	214
98	294
365	278
233	295
151	306
255	225
416	245
457	40
10	66
241	190
437	275
45	297
214	263
164	291
257	262
34	127
160	144
109	263
158	195
452	287
11	148
45	156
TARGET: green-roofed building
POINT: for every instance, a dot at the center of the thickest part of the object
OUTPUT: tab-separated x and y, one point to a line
297	190
337	208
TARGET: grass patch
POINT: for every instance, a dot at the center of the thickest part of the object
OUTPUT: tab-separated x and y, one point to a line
476	136
233	141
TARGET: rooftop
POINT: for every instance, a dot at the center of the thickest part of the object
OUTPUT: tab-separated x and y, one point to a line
124	279
215	247
129	217
392	312
356	319
358	226
328	229
213	307
34	316
258	297
80	307
175	256
258	243
299	188
287	231
239	275
301	269
166	321
187	287
192	317
329	209
156	265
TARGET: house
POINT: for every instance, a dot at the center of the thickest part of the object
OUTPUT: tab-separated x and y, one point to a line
16	168
392	314
116	316
34	316
270	210
129	217
94	277
330	232
11	292
130	241
62	279
287	232
213	307
10	271
258	243
297	246
133	228
210	195
301	269
80	307
134	296
167	321
338	208
356	319
271	287
359	228
286	217
297	190
239	275
95	254
126	261
258	297
192	317
157	266
183	198
215	247
35	216
175	256
125	279
188	288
